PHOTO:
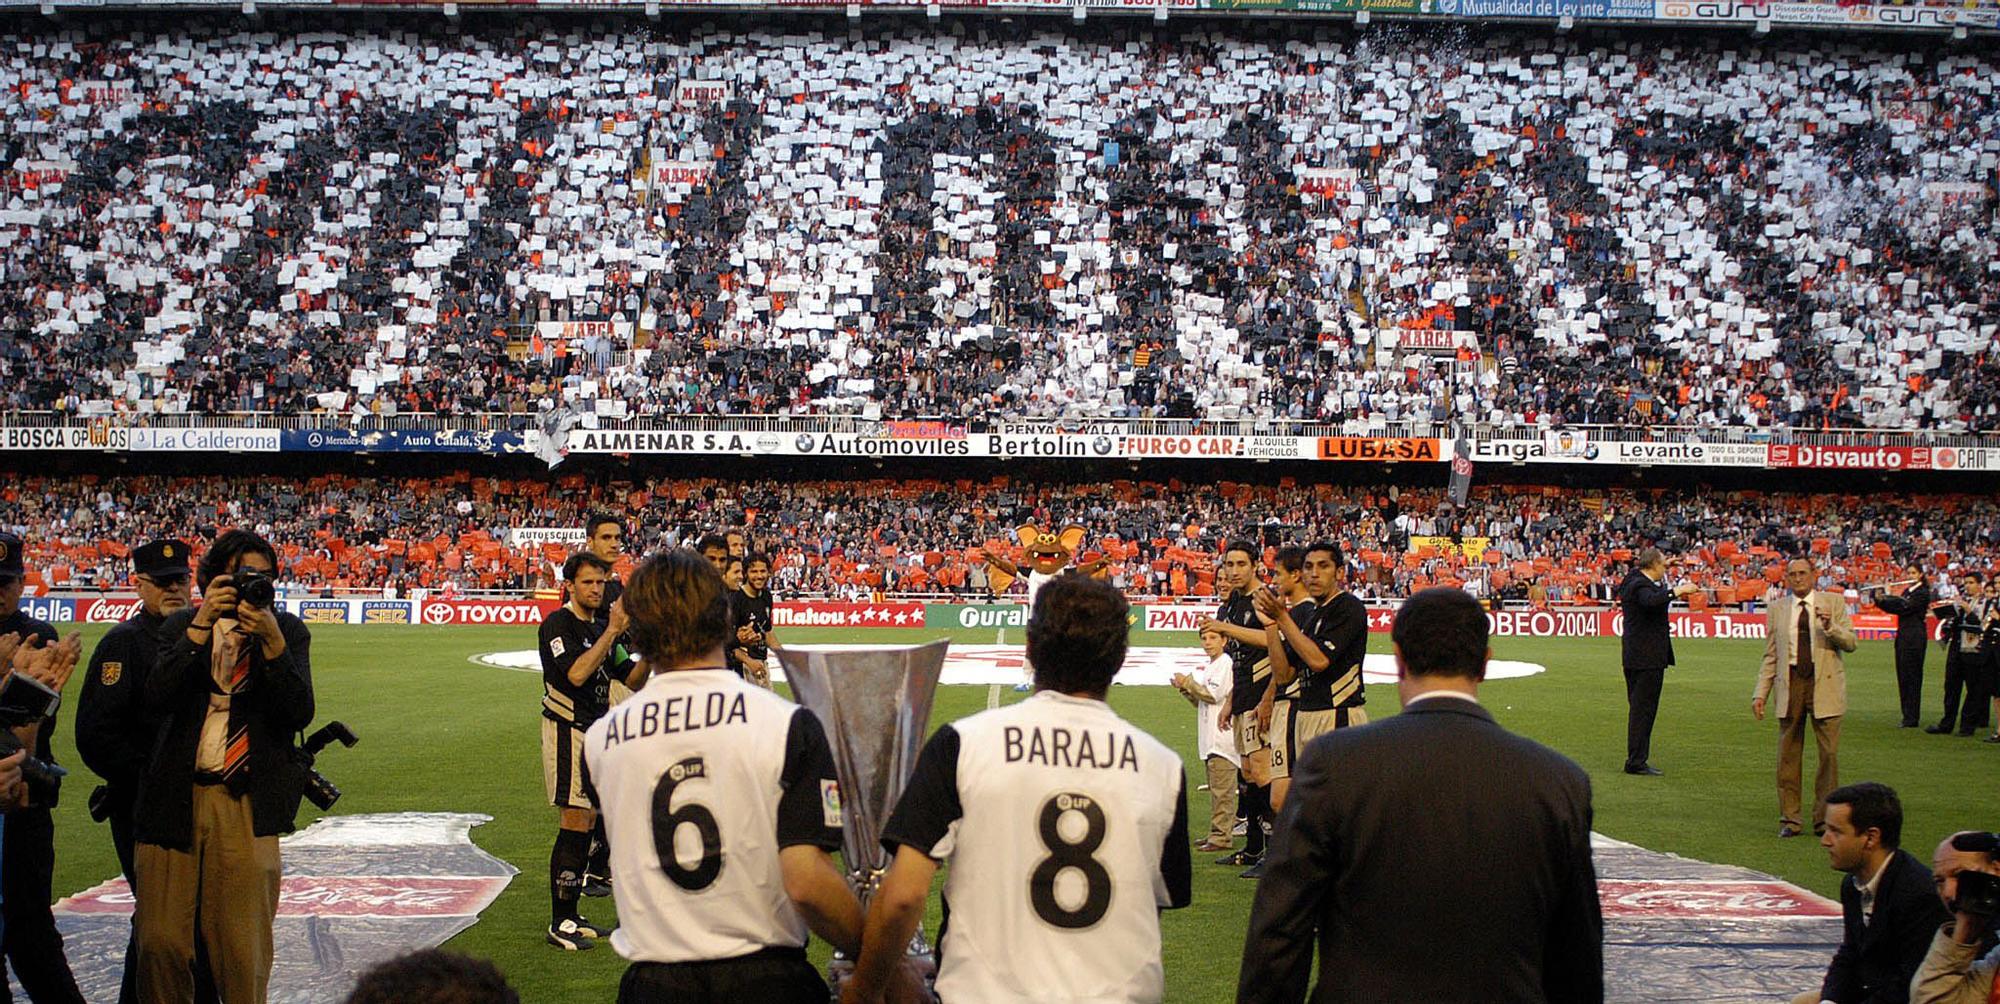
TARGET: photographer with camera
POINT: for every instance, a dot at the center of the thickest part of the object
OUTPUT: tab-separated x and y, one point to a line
231	690
1963	959
30	941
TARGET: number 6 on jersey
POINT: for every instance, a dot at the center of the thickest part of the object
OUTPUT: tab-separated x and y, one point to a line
667	822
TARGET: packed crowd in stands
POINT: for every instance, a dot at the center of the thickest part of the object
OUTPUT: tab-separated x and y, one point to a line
858	539
997	219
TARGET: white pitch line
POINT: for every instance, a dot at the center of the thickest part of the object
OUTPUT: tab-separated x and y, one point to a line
992	696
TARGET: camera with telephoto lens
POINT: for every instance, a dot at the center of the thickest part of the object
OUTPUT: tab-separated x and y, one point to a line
1979	894
25	701
255	589
320	791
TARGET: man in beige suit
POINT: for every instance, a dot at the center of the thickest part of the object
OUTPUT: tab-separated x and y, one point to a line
1807	632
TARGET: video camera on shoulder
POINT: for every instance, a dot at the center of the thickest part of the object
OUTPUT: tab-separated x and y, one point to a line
25	701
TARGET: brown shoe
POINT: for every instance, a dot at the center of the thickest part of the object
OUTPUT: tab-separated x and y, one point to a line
1210	847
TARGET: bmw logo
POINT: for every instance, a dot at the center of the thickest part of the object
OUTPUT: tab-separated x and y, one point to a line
804	442
1101	446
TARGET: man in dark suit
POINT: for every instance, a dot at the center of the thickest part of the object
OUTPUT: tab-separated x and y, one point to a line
1648	650
1371	857
233	685
1890	910
1910	610
30	941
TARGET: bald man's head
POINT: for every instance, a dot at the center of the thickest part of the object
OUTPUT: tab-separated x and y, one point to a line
1974	850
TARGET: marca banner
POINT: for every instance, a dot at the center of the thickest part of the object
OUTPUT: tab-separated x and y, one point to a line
1430	340
664	173
357	891
536	536
1380	449
879	615
486	611
205	440
1852	458
1332	183
405	441
689	93
94	436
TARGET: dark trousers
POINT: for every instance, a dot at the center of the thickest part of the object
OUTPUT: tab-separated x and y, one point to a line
31	942
1642	700
1910	679
772	976
1964	676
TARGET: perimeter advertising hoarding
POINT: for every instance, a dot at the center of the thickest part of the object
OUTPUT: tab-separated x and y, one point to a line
1549	450
332	440
1053	445
1560	623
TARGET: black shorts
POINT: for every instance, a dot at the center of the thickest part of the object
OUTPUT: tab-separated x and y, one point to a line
771	976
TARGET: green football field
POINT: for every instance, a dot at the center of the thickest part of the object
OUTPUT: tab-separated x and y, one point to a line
441	733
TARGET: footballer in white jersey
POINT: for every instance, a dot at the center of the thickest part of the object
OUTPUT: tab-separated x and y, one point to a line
721	804
1065	827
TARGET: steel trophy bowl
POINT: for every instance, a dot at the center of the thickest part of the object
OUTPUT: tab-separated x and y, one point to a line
875	704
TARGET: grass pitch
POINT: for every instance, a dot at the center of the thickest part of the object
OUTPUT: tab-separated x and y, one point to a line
440	733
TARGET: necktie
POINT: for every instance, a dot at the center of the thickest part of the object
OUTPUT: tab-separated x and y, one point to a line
1803	666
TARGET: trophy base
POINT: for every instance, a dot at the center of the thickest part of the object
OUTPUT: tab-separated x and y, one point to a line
919	956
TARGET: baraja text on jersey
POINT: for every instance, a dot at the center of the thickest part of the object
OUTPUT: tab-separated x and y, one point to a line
1062	748
673	714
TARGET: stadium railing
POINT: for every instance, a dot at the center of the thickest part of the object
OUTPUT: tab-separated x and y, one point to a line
793	424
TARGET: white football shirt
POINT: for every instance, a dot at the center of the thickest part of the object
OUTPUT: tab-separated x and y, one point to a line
1066	831
1036	581
702	778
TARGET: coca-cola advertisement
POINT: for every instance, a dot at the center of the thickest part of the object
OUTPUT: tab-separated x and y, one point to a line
357	890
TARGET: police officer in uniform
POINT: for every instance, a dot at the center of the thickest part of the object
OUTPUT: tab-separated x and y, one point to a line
32	944
113	731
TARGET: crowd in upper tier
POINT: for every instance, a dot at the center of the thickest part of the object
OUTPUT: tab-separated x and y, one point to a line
986	218
905	536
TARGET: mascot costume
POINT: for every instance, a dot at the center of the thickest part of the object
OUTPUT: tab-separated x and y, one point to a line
1049	555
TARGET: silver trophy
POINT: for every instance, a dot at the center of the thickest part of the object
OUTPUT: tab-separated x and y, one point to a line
875	704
